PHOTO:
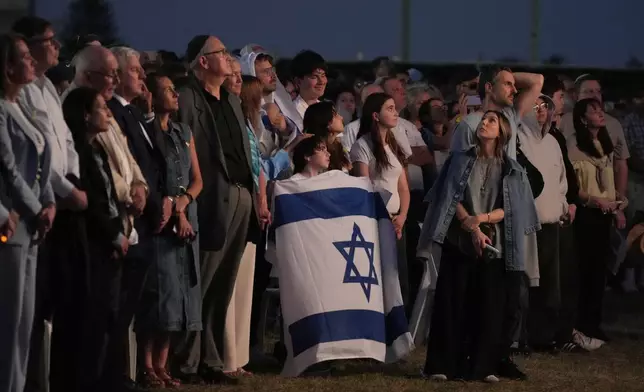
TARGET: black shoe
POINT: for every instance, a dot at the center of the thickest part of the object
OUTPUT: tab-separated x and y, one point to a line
189	378
318	370
124	384
522	350
571	347
212	376
279	352
508	369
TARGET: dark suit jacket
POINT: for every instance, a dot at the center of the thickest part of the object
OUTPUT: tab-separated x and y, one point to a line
213	199
101	229
150	160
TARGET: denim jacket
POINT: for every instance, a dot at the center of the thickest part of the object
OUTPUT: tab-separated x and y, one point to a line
518	205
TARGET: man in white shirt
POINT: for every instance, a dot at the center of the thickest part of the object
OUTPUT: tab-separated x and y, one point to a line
351	130
40	103
309	73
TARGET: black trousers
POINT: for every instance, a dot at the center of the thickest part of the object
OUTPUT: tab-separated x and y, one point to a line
403	274
545	300
474	303
62	290
135	268
592	236
417	209
569	282
100	327
262	279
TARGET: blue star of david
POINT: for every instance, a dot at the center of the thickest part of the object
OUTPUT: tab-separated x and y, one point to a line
351	273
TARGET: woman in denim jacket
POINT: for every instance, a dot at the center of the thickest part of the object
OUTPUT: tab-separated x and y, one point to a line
483	255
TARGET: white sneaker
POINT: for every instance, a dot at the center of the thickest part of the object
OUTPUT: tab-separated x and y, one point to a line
586	342
434	377
492	379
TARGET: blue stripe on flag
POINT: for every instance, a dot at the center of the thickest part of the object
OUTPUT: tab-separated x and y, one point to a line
324	204
343	325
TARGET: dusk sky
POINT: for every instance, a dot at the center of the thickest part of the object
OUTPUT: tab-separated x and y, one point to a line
585	32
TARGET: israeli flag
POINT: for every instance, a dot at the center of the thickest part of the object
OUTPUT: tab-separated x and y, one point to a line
335	255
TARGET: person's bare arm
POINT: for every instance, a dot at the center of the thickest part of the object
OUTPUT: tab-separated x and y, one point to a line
196	183
442	143
530	85
403	194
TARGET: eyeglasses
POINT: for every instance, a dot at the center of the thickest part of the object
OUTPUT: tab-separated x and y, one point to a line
267	71
114	75
49	41
541	106
222	52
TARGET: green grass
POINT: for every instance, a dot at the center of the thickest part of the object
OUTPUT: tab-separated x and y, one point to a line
615	367
618	366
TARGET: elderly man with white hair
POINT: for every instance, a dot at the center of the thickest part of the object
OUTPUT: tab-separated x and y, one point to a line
158	206
96	67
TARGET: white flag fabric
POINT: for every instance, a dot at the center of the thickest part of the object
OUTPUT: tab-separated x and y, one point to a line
335	255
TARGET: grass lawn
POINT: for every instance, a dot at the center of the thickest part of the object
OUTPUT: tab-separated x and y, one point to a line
615	367
618	366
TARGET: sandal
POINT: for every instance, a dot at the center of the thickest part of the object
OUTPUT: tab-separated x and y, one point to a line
168	380
149	379
238	373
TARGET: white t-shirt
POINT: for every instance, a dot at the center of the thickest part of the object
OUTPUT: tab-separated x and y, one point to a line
351	134
386	182
301	105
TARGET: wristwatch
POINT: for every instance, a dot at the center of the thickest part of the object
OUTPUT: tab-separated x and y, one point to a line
189	196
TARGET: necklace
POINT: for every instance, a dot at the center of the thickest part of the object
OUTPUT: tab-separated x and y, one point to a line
486	175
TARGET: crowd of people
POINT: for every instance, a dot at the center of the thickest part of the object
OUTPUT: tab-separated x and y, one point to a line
138	190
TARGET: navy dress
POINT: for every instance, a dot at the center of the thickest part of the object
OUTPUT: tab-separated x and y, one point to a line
172	294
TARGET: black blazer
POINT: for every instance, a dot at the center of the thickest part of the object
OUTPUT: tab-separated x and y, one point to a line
150	160
213	199
101	229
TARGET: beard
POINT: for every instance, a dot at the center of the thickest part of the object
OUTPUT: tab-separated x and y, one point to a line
269	89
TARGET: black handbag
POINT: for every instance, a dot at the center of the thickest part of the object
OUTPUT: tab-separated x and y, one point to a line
534	175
